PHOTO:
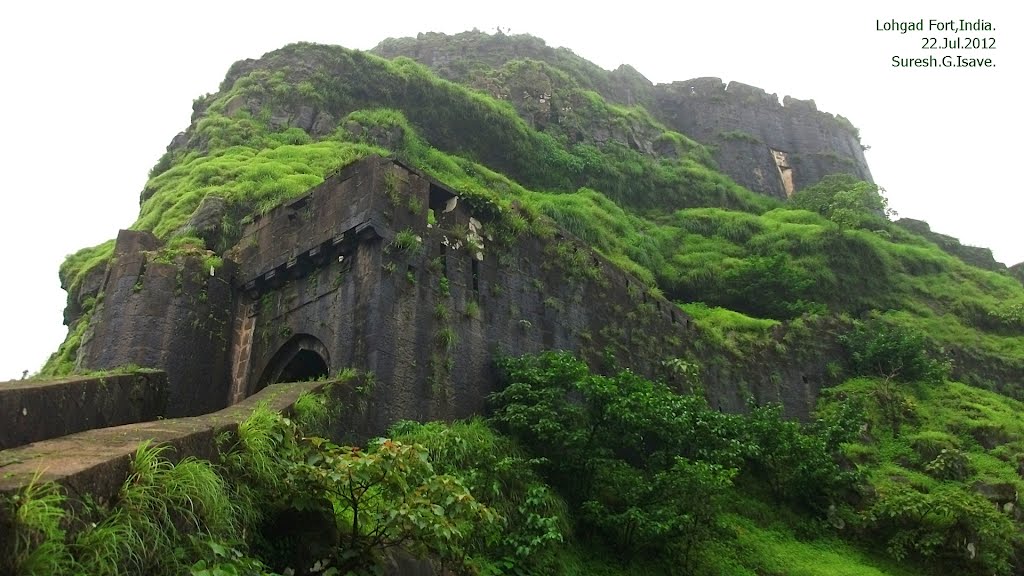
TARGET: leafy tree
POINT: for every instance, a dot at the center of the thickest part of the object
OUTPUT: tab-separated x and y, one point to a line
958	531
845	200
893	352
390	496
799	467
671	510
768	287
534	520
643	466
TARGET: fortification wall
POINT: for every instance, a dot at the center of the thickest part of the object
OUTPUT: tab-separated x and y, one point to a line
428	319
96	462
168	312
770	147
34	410
382	269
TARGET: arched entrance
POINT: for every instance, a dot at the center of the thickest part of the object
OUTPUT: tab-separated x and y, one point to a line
306	365
303	357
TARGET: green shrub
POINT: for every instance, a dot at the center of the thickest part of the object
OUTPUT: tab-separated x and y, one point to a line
952	530
894	352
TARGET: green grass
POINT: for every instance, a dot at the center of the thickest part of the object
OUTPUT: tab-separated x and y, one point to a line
257	178
76	266
38	531
730	330
776	549
984	427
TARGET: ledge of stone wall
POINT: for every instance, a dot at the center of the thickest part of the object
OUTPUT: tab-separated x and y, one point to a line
96	462
35	410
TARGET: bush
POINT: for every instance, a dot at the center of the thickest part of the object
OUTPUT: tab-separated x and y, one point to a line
952	530
892	352
848	202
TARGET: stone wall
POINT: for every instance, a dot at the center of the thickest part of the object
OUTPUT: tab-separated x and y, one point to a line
96	462
428	321
382	269
746	124
165	311
32	410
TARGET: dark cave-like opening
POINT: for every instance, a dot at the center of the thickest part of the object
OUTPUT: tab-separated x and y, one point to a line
306	365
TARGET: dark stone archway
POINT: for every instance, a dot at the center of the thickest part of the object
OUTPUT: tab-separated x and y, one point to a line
306	365
303	357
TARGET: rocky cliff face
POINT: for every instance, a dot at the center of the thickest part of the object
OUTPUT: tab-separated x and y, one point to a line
540	135
770	147
1017	271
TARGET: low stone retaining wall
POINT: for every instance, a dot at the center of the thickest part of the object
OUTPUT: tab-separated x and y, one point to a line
96	462
31	411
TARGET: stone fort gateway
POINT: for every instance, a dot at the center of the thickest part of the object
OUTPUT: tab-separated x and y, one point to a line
379	268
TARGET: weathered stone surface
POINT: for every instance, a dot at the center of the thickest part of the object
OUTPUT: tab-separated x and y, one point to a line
704	109
172	316
205	222
710	111
387	137
377	309
999	494
323	125
304	118
1017	271
991	435
447	55
179	141
78	298
39	410
319	286
96	461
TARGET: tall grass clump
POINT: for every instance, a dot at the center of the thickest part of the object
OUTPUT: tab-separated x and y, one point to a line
313	413
37	525
256	458
162	502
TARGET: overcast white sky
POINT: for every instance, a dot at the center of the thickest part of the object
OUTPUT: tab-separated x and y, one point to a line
92	93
